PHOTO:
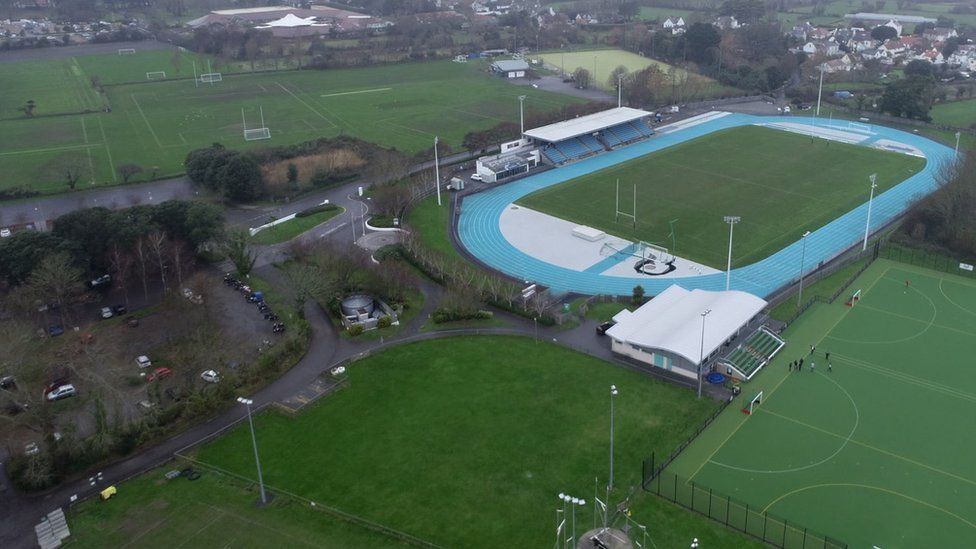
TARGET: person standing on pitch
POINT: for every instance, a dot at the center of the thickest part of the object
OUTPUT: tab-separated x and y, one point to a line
813	366
830	368
812	349
827	356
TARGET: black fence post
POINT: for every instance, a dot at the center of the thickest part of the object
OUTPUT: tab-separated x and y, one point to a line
692	494
728	509
785	528
804	537
709	502
745	527
675	488
765	520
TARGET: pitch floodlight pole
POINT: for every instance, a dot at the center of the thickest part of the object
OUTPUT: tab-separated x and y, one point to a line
701	352
521	99
616	208
820	89
437	172
196	81
620	84
254	441
799	295
867	225
731	220
613	393
958	134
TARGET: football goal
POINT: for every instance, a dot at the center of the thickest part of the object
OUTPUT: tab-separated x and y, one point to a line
210	77
855	297
126	51
755	401
155	75
254	134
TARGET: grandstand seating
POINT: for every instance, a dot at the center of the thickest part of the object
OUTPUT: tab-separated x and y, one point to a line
572	148
591	143
626	132
754	353
554	155
610	138
642	128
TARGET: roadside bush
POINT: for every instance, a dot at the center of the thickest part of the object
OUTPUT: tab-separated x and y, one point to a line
384	322
355	330
444	314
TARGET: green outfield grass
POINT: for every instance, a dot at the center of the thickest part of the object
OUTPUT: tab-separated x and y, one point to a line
176	63
601	62
780	183
55	85
872	452
214	511
465	442
156	124
961	114
287	230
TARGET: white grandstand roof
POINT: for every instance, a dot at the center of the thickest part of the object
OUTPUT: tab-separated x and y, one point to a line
244	11
585	124
672	321
290	20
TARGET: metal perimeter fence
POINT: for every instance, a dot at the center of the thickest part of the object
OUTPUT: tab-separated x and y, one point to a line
738	515
924	258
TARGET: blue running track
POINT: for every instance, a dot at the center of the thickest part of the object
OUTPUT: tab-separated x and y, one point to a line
479	231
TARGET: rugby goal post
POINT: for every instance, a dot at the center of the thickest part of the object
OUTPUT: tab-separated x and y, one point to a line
255	134
855	297
751	406
155	75
126	51
211	77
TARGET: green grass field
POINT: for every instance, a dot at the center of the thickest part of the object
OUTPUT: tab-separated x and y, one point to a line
55	85
156	124
601	62
961	114
872	453
287	230
465	443
214	511
780	183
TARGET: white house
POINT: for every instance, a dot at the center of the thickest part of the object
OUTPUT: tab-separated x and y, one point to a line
893	24
726	22
939	34
674	24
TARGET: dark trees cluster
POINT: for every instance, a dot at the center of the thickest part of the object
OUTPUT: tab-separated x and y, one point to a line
234	174
946	219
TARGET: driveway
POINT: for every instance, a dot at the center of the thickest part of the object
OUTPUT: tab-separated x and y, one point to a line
555	84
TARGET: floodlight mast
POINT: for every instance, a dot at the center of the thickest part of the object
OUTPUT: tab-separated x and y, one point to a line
867	225
437	173
799	295
731	220
521	99
254	441
701	352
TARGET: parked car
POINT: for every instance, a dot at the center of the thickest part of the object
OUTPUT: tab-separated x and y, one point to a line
603	327
159	373
143	361
55	330
174	393
476	176
210	376
119	310
31	449
106	312
5	232
7	382
101	281
63	391
145	405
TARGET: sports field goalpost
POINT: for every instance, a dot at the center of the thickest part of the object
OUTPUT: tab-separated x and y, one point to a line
616	209
209	77
755	401
126	51
254	134
155	75
855	297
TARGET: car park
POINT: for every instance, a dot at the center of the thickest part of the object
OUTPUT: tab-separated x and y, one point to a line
143	361
603	327
61	392
210	376
106	312
101	281
5	232
31	449
476	177
119	310
8	382
55	330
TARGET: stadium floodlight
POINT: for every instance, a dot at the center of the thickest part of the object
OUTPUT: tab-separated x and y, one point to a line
820	89
958	134
799	295
521	99
613	393
437	172
731	220
701	352
867	225
620	87
254	441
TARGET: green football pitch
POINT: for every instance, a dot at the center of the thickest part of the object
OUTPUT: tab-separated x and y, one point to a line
781	184
154	124
876	450
466	442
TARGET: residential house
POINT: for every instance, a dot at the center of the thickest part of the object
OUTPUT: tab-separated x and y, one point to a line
893	48
861	41
726	22
675	25
893	24
825	48
801	31
843	64
872	54
964	57
939	34
819	33
933	56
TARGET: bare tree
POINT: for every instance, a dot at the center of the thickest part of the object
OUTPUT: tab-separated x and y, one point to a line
142	254
121	264
157	244
180	258
56	280
71	170
127	171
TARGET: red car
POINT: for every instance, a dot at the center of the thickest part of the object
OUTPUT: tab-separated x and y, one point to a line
159	373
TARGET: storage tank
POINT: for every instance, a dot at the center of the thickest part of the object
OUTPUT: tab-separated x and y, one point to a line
358	305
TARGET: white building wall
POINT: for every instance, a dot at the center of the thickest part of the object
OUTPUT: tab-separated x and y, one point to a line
658	360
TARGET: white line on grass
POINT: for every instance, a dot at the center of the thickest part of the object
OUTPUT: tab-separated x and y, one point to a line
50	149
146	120
108	151
303	102
374	90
